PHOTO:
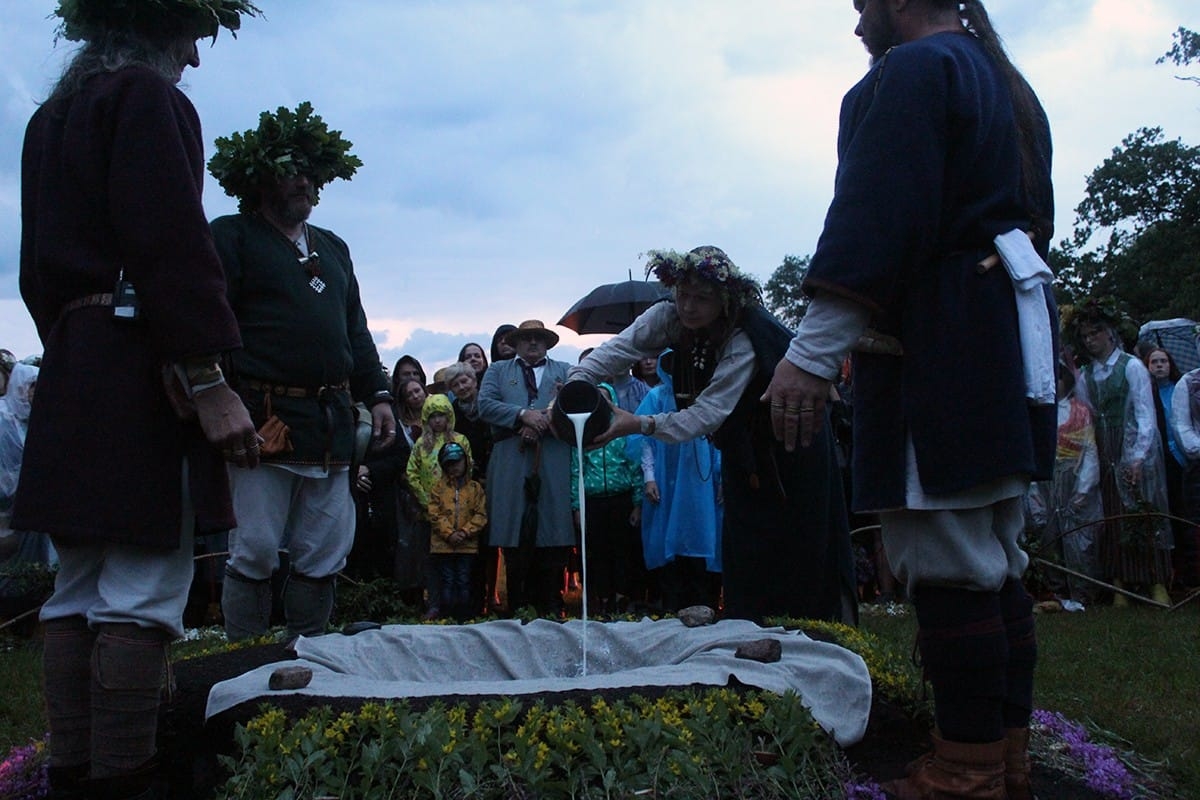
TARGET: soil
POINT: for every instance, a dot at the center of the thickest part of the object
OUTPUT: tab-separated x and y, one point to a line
189	747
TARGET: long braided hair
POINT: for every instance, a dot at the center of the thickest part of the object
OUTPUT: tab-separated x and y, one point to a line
1031	120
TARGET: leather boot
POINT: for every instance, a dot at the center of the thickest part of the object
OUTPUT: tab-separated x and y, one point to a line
954	771
1016	764
142	783
67	783
246	605
307	604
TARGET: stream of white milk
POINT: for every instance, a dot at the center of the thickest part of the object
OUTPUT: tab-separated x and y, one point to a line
579	419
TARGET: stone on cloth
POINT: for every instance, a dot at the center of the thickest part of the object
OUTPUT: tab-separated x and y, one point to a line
284	678
695	616
768	651
504	658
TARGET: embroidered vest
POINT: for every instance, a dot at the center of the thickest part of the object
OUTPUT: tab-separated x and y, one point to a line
1108	397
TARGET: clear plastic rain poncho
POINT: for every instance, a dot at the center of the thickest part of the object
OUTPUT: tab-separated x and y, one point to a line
1134	549
17	549
14	421
1070	504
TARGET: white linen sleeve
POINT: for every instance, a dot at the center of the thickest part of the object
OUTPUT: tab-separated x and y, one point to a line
829	329
1141	398
651	332
1187	429
647	460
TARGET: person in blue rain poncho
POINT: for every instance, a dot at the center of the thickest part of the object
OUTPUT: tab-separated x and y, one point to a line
681	510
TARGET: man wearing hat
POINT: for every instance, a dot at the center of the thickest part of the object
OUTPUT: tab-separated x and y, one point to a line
307	357
514	400
120	275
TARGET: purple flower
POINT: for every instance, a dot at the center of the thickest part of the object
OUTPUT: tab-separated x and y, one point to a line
23	773
864	791
1103	771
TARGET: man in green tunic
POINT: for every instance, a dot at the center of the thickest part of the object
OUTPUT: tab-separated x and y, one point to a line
307	357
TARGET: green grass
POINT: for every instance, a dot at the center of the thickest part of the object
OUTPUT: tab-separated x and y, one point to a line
21	714
1133	673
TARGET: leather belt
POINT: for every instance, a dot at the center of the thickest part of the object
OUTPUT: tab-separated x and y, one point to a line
280	390
102	299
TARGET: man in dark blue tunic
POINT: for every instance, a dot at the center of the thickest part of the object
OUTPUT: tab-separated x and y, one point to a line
942	148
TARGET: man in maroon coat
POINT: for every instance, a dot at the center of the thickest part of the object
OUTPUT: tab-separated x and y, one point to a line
120	275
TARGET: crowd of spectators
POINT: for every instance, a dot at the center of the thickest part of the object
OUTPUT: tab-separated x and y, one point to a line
1126	444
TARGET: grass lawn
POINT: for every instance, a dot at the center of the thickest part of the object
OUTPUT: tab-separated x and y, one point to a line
1132	672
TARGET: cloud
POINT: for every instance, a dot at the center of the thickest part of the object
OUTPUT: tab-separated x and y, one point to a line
517	154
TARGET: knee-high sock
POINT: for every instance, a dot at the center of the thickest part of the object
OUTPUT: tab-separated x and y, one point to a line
67	669
308	604
964	650
1016	606
246	605
127	677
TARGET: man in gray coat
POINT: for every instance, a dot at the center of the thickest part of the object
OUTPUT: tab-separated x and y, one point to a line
514	400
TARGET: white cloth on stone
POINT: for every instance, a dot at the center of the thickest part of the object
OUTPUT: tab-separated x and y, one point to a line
507	658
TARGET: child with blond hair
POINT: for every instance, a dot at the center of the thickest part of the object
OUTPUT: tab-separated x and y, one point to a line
457	516
437	429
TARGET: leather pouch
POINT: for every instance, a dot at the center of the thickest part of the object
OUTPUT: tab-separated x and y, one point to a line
276	436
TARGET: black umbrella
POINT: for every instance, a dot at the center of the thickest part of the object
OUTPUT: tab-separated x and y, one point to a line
611	307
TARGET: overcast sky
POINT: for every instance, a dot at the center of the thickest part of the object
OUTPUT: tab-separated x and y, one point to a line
516	154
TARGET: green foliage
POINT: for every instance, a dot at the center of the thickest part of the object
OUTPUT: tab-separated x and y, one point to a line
22	717
379	600
1121	671
1147	180
782	292
85	20
285	143
1184	50
1143	206
713	743
32	579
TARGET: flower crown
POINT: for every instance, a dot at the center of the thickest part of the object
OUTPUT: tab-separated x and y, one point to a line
85	20
709	264
284	143
1103	310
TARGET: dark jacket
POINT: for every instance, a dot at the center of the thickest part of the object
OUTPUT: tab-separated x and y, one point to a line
296	337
